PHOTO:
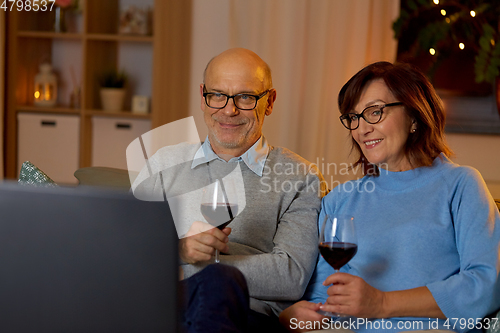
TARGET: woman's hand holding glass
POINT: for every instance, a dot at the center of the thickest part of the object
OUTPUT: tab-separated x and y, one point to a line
347	294
337	244
351	295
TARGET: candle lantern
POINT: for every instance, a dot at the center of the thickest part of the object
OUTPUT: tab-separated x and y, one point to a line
45	86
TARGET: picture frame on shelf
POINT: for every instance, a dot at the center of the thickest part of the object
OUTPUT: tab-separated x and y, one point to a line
135	21
140	104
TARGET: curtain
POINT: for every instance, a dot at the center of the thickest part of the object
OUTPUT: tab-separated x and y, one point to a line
313	48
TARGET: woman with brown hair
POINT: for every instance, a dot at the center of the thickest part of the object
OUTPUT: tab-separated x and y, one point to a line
428	229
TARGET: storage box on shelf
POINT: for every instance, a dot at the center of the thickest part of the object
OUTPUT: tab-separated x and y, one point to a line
110	139
50	142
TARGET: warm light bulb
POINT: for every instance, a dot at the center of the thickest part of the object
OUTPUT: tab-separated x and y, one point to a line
37	94
432	51
443	12
492	42
436	2
461	46
48	92
472	13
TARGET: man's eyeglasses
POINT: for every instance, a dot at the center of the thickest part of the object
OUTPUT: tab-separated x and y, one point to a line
246	102
372	115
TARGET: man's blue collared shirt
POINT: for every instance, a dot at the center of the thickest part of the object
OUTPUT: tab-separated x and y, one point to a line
255	157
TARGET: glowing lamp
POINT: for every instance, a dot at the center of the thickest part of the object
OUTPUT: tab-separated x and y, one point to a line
45	87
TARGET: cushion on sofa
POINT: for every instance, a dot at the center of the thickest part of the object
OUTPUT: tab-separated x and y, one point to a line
117	179
31	175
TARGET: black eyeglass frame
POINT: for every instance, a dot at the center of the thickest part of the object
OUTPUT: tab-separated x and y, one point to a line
362	114
257	98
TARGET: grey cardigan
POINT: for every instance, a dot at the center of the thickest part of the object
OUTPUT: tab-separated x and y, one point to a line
274	239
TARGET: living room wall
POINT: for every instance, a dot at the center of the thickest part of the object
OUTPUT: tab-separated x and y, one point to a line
481	152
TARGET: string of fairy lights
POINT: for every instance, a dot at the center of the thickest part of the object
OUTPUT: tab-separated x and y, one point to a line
461	45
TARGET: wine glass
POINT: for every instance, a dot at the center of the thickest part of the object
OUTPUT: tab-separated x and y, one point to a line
337	243
219	205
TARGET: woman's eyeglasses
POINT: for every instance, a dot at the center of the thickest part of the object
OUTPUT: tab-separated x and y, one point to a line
372	115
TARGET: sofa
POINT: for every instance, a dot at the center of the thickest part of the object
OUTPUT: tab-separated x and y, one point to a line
119	180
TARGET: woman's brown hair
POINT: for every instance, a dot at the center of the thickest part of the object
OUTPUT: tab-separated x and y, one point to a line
410	86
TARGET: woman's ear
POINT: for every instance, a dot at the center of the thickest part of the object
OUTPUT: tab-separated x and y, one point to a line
413	127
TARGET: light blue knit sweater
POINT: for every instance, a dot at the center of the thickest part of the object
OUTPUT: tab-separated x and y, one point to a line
432	226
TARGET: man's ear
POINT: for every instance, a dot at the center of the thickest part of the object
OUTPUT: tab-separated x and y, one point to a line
270	101
201	94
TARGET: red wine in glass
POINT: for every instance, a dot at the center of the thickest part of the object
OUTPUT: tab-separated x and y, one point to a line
219	205
215	214
338	244
337	254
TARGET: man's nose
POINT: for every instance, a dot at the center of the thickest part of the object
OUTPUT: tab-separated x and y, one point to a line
231	108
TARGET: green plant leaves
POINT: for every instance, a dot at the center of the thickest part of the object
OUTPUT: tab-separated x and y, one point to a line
432	34
431	27
113	79
487	60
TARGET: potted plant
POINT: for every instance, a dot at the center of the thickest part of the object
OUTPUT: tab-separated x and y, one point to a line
113	90
439	30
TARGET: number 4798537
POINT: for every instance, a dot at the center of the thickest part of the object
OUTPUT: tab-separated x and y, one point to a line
470	323
27	5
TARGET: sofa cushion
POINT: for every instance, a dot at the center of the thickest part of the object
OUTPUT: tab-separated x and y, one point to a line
117	179
31	175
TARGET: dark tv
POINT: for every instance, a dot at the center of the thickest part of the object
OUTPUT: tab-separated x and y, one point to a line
85	260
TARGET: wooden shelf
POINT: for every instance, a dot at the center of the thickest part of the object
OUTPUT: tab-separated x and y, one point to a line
120	38
49	34
38	109
100	37
93	47
117	114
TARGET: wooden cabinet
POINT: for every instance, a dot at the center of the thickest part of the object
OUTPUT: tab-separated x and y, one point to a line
91	47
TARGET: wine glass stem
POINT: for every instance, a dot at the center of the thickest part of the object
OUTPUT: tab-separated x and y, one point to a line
217	260
336	314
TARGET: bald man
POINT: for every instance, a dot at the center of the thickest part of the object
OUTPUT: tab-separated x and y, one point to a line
273	240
